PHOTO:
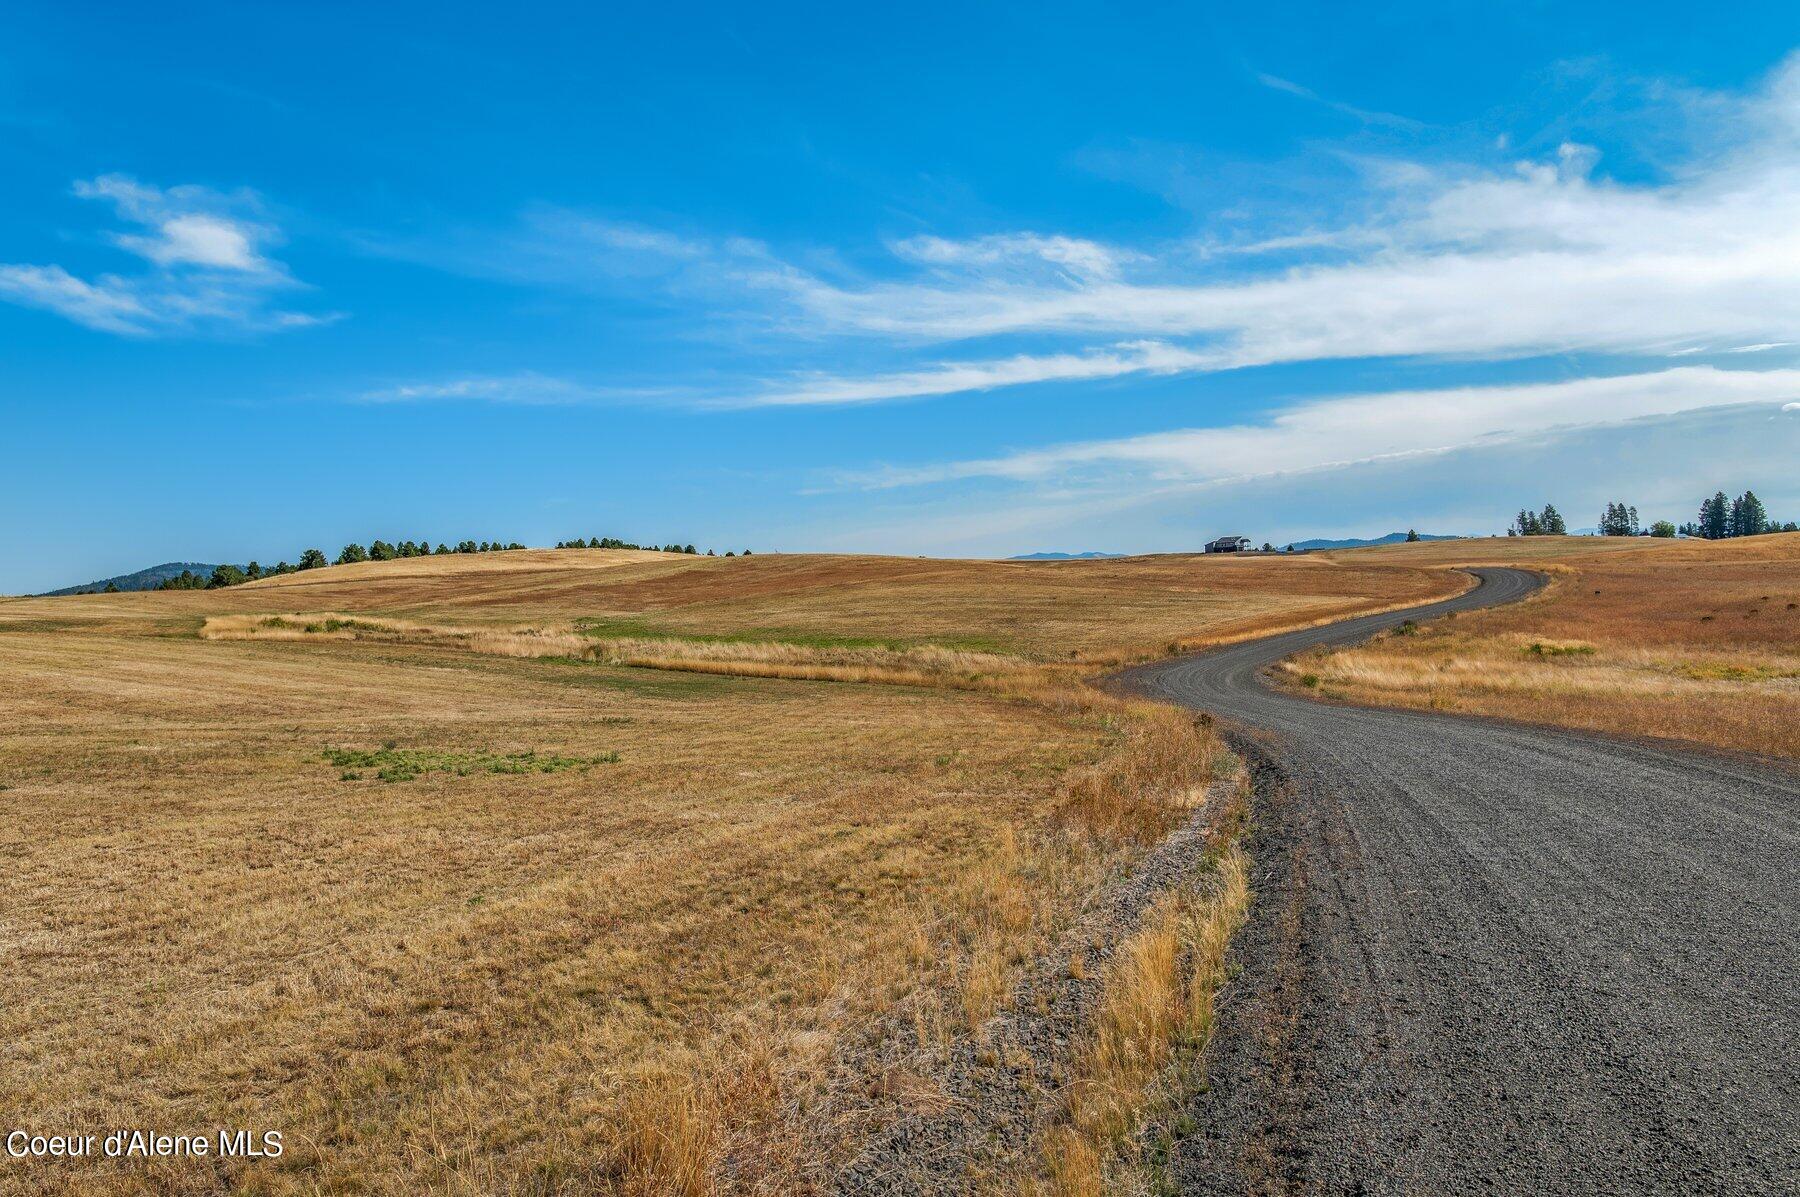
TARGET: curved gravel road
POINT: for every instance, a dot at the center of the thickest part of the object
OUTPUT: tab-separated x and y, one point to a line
1489	958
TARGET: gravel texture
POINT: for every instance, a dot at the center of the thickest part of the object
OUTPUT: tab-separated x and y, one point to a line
1491	958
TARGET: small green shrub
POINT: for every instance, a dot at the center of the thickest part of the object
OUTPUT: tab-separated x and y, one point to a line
1559	650
393	764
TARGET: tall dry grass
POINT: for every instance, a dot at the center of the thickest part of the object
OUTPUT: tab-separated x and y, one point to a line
1153	1024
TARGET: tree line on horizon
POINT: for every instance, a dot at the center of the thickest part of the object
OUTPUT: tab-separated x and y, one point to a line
378	550
381	550
609	542
1720	519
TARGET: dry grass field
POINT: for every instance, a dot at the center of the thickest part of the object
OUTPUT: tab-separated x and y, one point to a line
1684	640
547	872
1097	610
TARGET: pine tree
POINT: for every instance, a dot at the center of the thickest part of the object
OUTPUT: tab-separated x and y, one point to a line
1748	517
1715	517
1619	520
1412	537
351	554
1551	522
313	559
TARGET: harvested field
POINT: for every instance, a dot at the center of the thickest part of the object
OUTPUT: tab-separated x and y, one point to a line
571	871
1098	610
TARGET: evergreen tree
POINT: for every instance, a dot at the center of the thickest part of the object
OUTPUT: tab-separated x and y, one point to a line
351	554
381	550
313	559
1619	520
1715	517
1412	537
111	588
1748	518
252	572
223	576
1551	522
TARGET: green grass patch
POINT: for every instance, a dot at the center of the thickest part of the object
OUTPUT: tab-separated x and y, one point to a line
1558	650
323	625
407	764
1738	673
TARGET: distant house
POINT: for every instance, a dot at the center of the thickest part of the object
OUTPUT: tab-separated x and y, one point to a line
1229	544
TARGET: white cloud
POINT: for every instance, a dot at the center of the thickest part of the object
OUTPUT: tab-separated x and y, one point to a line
1367	116
107	304
1131	357
525	389
209	268
1541	258
1071	258
1347	430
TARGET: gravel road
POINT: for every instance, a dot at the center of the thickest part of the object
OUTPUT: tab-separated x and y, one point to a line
1489	958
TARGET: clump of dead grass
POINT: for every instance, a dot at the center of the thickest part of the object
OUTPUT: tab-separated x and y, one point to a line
1154	1020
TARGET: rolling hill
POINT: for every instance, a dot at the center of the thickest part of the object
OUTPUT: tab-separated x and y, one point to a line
143	579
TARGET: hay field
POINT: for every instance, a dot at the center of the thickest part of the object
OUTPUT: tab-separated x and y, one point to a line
460	920
1098	610
1685	640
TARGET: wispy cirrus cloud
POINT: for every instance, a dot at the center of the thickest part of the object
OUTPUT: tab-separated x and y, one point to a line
1443	260
207	259
944	378
1347	430
525	389
1365	115
1539	257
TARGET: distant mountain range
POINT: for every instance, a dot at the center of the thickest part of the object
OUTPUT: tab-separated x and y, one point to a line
1062	556
1390	538
143	579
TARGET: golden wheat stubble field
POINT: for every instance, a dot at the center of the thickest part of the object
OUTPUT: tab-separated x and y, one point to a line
1686	640
456	908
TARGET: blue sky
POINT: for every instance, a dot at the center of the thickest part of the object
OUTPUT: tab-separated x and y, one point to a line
970	280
